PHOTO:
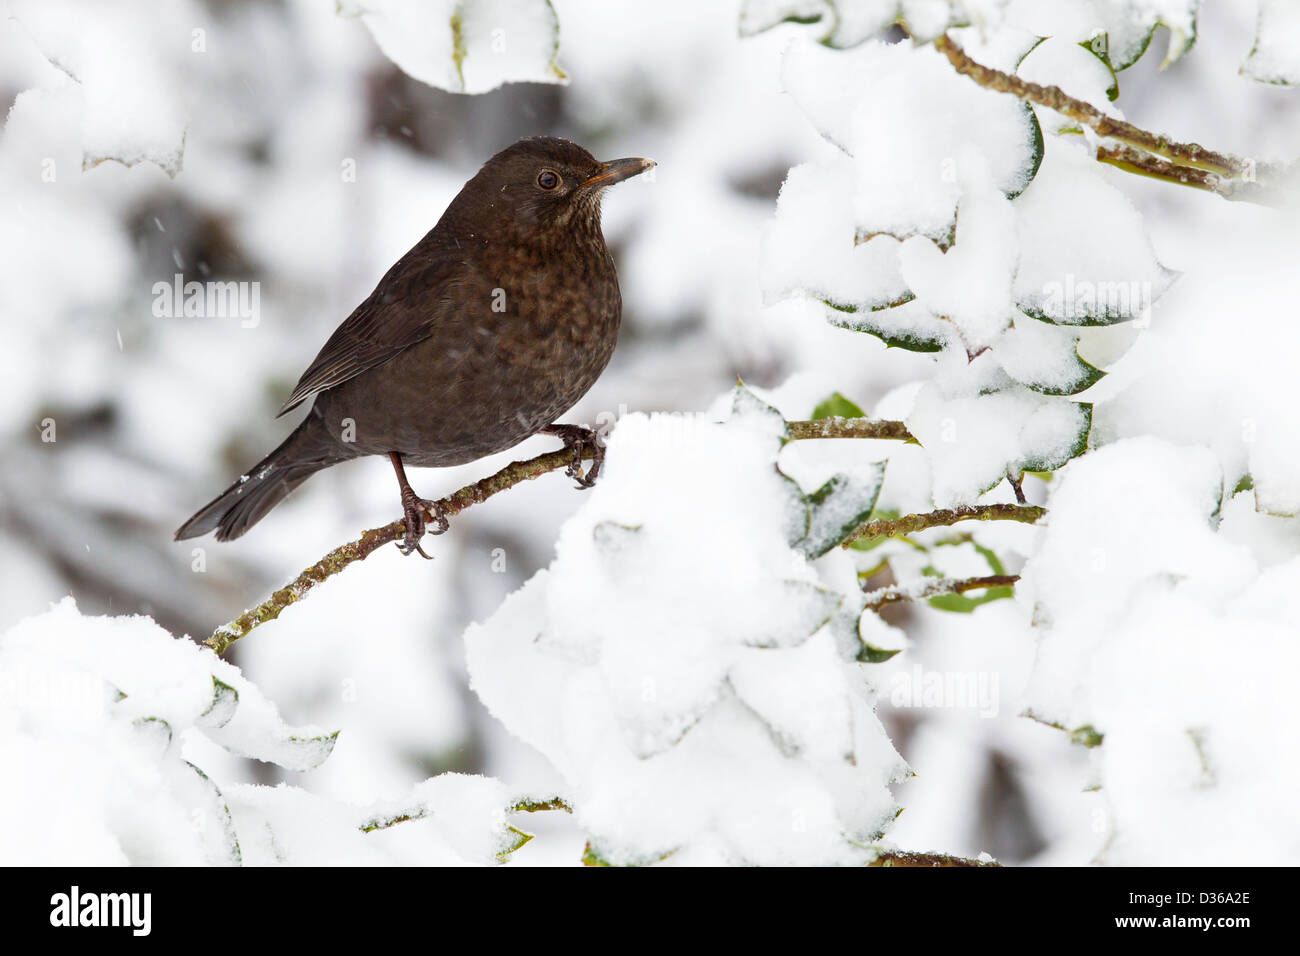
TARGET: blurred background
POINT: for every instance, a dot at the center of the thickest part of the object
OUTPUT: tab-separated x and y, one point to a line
153	416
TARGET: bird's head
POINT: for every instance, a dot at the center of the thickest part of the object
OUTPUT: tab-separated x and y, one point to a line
544	181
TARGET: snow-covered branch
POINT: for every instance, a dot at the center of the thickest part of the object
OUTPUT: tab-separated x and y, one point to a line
476	493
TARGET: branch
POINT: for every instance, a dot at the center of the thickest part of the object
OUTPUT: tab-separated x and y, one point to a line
934	587
360	549
908	858
835	427
539	806
1054	98
478	492
1187	164
910	524
1144	164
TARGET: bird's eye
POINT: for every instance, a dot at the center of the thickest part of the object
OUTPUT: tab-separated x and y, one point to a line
548	179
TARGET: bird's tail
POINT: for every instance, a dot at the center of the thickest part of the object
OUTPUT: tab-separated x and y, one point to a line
266	484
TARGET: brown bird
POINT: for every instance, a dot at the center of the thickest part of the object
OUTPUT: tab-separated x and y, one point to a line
482	335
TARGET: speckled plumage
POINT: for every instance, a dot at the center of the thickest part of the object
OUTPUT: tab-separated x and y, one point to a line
484	333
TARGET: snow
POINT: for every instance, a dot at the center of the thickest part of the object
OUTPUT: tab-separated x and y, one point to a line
812	243
1091	265
1154	622
103	718
693	695
1192	380
913	187
976	427
970	284
131	111
1118	29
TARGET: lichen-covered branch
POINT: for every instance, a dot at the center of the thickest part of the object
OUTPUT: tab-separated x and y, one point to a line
878	598
1143	152
849	428
908	858
942	517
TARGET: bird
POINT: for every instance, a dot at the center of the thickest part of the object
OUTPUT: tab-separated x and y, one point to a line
485	333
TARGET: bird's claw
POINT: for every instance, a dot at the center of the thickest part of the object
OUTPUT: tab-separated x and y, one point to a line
581	441
413	511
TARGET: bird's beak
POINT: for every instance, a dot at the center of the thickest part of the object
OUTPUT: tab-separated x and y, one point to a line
615	171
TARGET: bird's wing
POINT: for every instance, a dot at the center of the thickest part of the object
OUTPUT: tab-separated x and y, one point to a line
401	311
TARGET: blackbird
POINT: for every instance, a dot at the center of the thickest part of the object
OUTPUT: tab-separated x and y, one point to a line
482	335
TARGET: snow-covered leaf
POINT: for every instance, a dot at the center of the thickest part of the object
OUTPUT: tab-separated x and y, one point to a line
1045	358
838	507
1084	255
132	110
465	46
856	97
909	326
1275	56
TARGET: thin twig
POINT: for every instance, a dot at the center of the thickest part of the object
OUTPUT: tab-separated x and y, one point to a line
1054	98
909	524
878	598
1144	164
1140	151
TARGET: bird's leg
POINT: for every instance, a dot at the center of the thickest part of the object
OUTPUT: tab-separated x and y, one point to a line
580	440
413	510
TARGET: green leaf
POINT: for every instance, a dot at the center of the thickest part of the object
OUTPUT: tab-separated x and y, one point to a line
515	838
963	604
990	558
1087	736
874	655
837	406
591	857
